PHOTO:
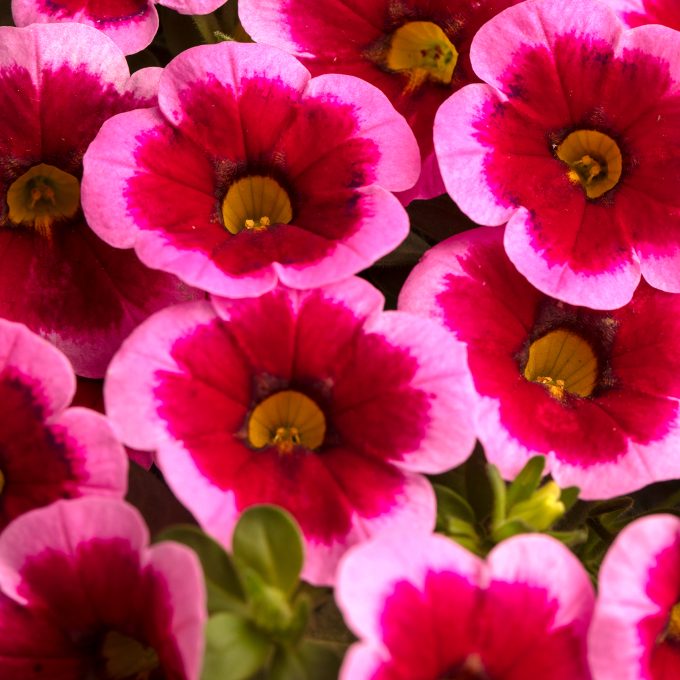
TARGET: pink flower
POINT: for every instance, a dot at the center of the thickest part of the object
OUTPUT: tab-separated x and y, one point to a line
572	143
131	24
316	401
49	451
82	595
641	12
595	392
58	83
251	172
416	52
635	633
425	608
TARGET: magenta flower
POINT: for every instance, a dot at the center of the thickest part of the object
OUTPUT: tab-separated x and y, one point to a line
571	143
58	83
251	172
641	12
131	24
582	387
49	451
316	401
416	52
635	633
82	595
424	608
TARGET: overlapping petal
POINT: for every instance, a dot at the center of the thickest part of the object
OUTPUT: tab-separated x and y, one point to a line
189	382
612	438
507	149
58	83
234	115
423	607
85	595
47	450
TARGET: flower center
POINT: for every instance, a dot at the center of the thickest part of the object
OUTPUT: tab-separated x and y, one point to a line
255	203
594	160
2	482
672	632
285	420
421	50
126	658
563	362
42	196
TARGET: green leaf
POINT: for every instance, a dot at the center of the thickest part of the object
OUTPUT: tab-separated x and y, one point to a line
570	538
499	511
223	585
312	660
569	497
526	482
235	649
508	529
267	540
452	504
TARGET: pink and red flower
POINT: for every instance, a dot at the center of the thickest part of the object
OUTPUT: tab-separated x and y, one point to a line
82	595
596	392
635	634
572	142
315	401
131	24
252	172
416	52
47	450
58	83
641	12
424	608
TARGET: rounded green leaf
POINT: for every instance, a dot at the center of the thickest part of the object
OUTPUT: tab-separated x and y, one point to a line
235	649
267	540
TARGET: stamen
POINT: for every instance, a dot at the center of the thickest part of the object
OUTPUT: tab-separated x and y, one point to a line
594	161
672	631
421	51
564	362
42	196
125	658
254	203
287	420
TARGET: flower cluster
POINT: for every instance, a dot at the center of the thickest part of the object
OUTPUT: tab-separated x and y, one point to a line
203	246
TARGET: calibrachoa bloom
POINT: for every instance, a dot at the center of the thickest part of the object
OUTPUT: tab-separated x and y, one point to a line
252	172
131	24
49	451
425	608
316	401
82	595
635	633
640	12
573	143
58	83
581	386
415	51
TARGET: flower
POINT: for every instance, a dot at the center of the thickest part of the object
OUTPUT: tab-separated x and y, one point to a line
131	24
315	401
251	172
82	595
416	52
595	392
641	12
572	143
635	634
58	83
425	608
49	451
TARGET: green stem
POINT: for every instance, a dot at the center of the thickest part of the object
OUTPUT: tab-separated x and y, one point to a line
207	25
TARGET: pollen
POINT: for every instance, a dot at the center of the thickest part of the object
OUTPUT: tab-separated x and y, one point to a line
287	420
672	631
594	161
42	196
564	363
421	51
254	203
